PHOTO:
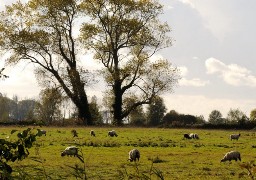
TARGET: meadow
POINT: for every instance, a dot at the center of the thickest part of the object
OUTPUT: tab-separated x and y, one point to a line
165	154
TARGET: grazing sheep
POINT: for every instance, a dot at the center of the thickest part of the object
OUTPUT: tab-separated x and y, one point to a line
112	133
74	133
42	132
186	136
70	151
232	155
134	155
92	133
193	136
235	136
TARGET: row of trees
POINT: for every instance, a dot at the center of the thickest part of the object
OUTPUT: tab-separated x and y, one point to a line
123	36
234	116
52	108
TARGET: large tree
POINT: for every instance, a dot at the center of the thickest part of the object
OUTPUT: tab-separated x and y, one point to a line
125	35
43	32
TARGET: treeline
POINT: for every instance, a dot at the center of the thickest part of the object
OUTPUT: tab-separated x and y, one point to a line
236	119
54	109
51	108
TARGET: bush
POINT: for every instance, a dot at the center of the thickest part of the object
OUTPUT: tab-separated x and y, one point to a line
18	150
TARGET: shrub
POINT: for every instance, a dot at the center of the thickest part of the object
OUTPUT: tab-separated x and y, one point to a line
18	150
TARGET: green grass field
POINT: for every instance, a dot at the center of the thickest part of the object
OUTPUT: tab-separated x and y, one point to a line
164	153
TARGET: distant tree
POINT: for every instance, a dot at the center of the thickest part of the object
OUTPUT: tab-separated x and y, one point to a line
200	119
236	116
48	108
253	115
215	117
26	109
14	108
137	116
4	108
156	111
187	119
124	35
107	102
171	117
95	111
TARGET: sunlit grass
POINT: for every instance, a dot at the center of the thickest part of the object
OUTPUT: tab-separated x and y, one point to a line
106	157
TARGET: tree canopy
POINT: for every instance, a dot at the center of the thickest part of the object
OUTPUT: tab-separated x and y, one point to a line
236	116
156	111
124	36
253	115
215	117
42	32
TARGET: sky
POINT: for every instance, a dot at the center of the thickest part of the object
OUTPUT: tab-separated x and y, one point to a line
213	46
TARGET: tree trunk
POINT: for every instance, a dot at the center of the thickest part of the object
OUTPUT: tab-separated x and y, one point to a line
83	107
84	113
117	106
79	97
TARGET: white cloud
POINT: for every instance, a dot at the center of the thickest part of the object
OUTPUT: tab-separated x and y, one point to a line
194	82
216	15
195	58
183	71
188	2
232	74
169	7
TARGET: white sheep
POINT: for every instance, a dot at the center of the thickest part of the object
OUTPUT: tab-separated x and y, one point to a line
235	136
70	151
92	133
134	155
232	155
112	133
194	136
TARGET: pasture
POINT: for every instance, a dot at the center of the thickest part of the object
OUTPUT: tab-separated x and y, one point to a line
164	153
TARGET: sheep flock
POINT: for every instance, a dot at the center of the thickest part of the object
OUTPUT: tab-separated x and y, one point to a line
134	154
